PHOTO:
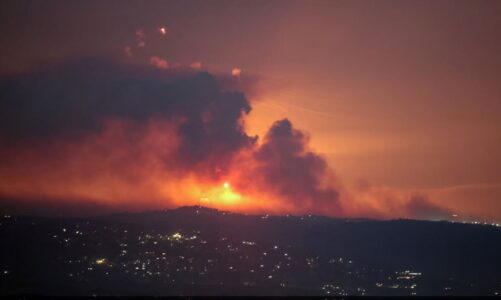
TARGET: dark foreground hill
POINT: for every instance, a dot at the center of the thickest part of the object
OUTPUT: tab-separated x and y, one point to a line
200	251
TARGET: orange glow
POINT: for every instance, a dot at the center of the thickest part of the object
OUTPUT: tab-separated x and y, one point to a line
413	107
114	170
218	196
130	166
236	72
196	65
111	169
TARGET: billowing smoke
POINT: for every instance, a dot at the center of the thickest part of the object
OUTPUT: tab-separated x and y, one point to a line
73	100
108	135
288	168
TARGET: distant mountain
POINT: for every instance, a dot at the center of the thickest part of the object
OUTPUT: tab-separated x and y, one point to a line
198	250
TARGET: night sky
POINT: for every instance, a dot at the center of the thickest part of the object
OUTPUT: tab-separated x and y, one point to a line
381	109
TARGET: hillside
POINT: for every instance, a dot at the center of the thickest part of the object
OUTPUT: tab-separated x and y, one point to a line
197	250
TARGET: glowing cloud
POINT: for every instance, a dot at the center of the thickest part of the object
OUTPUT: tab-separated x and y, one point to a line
159	62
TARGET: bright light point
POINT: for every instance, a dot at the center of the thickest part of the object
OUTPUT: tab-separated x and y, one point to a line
176	236
162	30
236	72
100	261
222	195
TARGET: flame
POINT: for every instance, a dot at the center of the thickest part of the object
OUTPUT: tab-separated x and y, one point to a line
220	196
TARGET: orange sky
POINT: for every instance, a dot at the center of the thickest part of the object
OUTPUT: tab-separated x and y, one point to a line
401	95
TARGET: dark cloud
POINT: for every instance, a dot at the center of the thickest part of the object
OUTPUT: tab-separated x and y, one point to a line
293	171
72	99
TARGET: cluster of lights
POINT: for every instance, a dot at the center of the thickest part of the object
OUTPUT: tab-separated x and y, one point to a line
176	237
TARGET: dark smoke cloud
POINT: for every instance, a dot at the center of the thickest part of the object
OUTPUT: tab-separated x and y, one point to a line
72	99
294	172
